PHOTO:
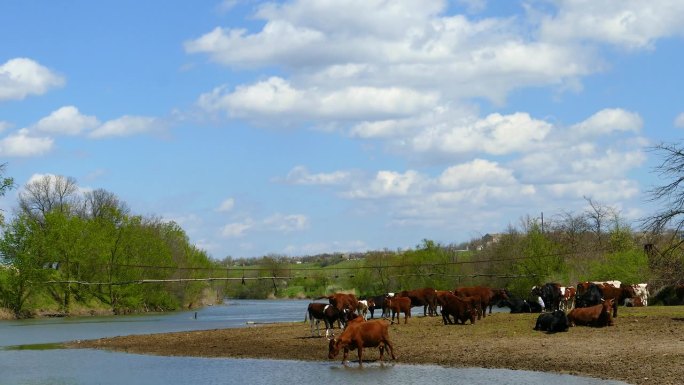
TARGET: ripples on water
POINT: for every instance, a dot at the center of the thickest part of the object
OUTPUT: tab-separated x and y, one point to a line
86	367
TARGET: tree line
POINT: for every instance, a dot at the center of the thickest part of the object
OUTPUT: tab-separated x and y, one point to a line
64	249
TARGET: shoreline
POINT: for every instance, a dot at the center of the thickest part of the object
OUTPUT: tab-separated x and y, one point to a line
646	345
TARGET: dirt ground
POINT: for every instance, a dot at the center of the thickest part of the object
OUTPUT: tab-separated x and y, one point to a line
646	345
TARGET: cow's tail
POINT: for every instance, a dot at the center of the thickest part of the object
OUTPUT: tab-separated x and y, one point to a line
307	316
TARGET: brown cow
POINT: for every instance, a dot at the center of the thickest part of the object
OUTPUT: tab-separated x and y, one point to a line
597	315
424	297
399	305
617	294
459	308
359	335
488	296
344	303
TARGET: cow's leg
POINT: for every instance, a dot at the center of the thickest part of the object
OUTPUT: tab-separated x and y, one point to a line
388	345
360	350
344	355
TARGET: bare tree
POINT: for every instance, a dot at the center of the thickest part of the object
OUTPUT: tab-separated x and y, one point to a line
670	195
597	215
47	193
102	204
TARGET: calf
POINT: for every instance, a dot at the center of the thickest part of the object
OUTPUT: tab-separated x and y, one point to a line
553	322
363	306
359	335
641	291
567	298
597	315
399	305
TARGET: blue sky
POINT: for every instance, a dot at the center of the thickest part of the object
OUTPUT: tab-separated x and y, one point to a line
303	127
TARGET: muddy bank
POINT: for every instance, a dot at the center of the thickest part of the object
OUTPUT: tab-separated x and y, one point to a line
646	345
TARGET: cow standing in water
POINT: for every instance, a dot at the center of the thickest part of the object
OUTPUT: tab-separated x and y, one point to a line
359	335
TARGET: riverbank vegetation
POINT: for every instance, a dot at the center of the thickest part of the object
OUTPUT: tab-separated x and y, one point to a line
64	251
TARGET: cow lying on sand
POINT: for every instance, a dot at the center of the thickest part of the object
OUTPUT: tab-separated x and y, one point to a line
359	335
597	315
552	322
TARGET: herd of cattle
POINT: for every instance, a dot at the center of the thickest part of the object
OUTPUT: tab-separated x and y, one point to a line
589	304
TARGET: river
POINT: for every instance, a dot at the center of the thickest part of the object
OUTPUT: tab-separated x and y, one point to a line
27	358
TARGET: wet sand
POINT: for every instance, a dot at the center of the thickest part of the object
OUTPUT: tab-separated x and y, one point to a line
646	345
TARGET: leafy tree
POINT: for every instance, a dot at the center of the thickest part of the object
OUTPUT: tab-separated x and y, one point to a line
24	266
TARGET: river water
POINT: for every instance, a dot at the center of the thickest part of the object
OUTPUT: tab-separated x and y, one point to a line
27	359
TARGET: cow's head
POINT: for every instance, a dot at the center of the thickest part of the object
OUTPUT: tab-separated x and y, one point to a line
333	348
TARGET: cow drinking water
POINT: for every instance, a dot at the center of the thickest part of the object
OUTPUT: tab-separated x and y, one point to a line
359	335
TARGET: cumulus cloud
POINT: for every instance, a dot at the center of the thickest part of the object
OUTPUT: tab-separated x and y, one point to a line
279	223
21	77
607	121
277	98
66	121
494	134
340	48
387	184
301	175
125	126
226	205
23	144
235	230
632	24
286	223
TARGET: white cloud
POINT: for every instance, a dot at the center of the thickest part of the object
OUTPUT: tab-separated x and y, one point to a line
277	98
476	173
279	223
67	121
301	175
23	144
21	77
227	205
125	126
333	47
387	184
632	24
236	230
606	190
286	223
607	121
679	121
495	134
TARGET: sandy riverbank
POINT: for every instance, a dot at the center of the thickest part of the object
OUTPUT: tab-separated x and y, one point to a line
646	345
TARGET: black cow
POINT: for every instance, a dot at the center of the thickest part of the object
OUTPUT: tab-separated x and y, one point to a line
550	293
588	294
516	305
379	303
553	322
